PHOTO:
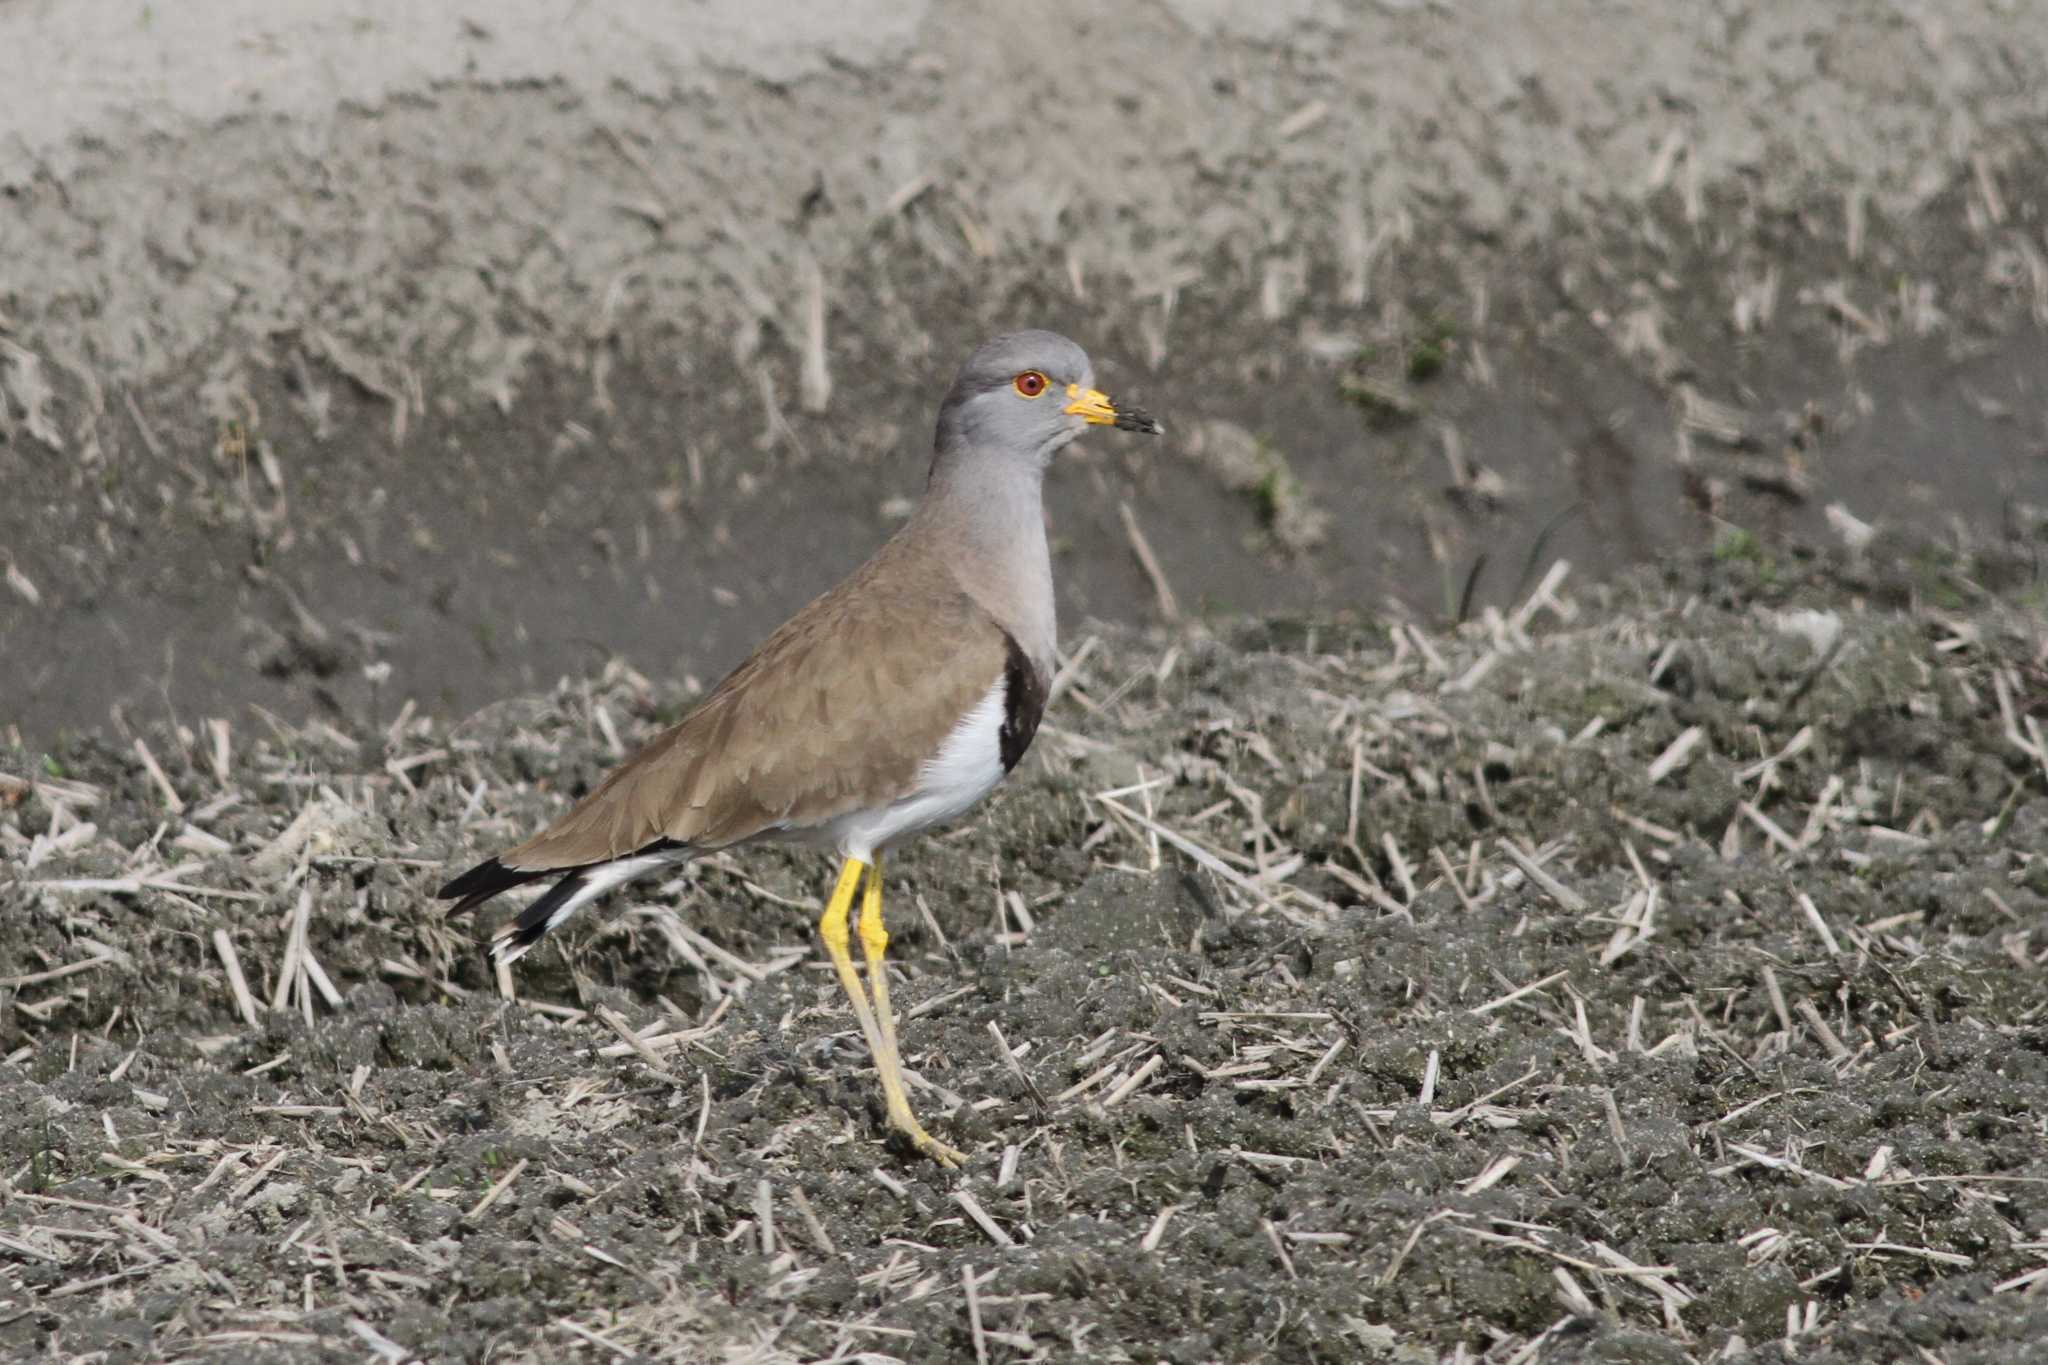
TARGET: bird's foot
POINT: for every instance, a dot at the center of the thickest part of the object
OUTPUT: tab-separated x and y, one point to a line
952	1158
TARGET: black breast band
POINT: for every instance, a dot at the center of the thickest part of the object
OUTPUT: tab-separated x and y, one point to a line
1023	702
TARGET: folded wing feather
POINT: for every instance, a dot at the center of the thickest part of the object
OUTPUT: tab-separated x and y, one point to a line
835	712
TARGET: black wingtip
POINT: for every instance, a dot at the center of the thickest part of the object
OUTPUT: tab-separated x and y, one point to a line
487	879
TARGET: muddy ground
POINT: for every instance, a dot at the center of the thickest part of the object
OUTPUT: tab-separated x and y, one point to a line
1652	973
343	363
1391	950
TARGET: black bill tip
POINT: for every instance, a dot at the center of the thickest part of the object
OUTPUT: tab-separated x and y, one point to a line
1132	419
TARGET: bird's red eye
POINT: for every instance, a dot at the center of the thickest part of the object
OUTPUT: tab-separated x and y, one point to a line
1030	383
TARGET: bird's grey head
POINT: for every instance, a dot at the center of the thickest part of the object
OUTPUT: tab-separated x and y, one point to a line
1022	396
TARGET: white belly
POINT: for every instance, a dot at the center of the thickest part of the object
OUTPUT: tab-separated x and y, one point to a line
967	766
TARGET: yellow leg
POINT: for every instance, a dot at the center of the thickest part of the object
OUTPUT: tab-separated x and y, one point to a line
874	940
832	926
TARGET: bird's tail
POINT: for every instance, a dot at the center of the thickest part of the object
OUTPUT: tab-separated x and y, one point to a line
574	888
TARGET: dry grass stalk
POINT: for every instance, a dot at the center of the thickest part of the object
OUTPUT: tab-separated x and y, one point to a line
1215	864
1400	866
1086	1083
1495	1172
1614	1124
764	1214
1015	1068
990	1228
2025	1281
1837	1050
98	959
1820	925
1545	596
974	1324
156	775
238	984
618	1024
1162	590
1788	1165
1129	1084
651	1039
381	1346
1279	1248
1386	1277
300	974
1675	754
1443	863
815	383
1550	886
1883	1248
1520	992
1637	924
1520	1243
497	1190
1157	1232
1772	830
1425	1095
1483	1107
1574	1297
812	1223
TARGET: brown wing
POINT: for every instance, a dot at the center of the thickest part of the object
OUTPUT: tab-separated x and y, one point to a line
835	712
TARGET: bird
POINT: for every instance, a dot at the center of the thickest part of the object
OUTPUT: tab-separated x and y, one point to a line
891	704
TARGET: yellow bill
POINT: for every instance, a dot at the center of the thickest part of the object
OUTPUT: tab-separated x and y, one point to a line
1093	405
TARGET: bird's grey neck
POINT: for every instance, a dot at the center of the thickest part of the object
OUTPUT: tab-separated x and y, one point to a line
989	514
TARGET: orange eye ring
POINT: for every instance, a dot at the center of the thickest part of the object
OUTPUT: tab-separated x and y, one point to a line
1030	384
